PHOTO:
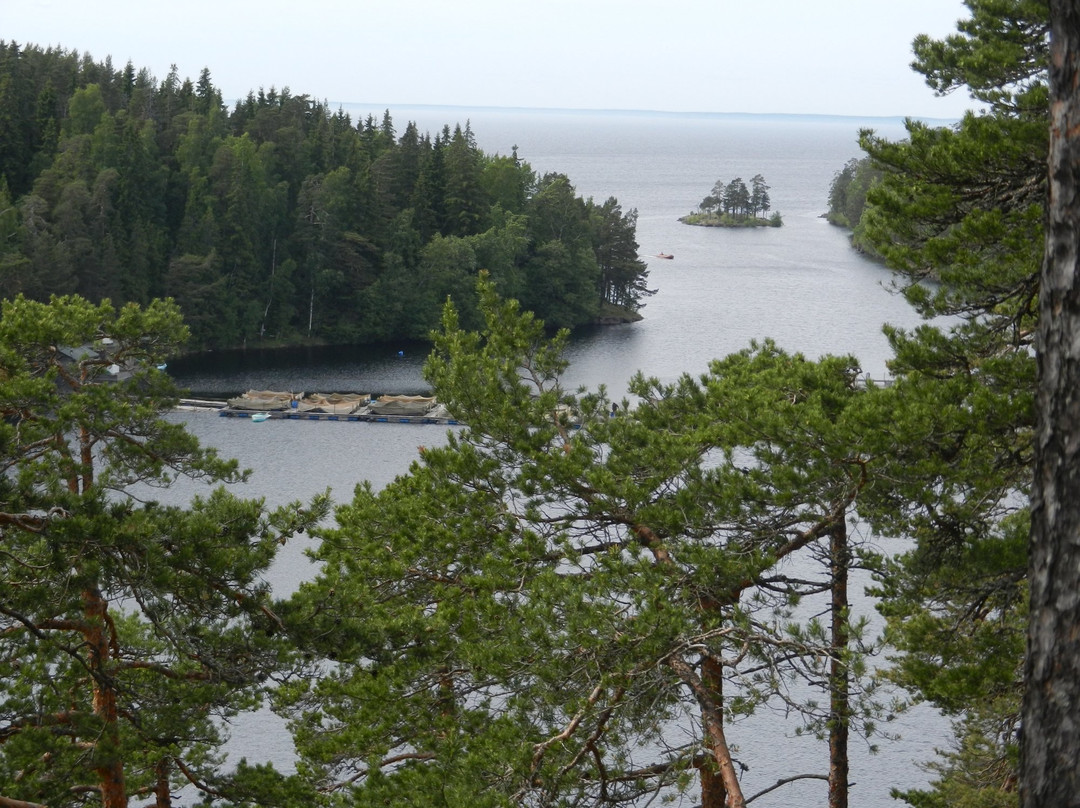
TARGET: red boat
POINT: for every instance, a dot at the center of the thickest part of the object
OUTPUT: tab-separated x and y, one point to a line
664	255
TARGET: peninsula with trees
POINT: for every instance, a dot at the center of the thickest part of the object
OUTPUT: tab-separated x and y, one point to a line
281	221
734	204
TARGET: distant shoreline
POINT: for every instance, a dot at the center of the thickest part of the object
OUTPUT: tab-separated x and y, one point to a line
379	108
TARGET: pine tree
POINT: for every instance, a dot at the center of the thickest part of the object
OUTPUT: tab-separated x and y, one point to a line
1050	764
531	612
964	208
127	629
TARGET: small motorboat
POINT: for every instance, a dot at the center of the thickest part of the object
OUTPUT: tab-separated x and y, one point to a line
665	255
259	416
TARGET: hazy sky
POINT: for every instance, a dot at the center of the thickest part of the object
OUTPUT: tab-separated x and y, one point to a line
842	57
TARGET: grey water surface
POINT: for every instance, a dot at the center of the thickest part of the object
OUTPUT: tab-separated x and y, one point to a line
801	285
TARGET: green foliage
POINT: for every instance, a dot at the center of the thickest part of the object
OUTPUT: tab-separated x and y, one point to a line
959	213
280	220
724	220
979	772
848	192
128	629
734	204
259	786
526	615
622	275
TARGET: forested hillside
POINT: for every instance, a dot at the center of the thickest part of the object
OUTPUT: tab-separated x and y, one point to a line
546	609
281	220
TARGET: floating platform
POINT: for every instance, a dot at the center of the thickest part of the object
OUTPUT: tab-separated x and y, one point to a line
293	415
288	410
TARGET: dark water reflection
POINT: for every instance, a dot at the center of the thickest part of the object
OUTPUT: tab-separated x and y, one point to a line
326	369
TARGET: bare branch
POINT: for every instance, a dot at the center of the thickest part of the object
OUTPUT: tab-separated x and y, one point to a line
787	780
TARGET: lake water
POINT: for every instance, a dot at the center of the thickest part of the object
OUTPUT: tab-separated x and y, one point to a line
801	285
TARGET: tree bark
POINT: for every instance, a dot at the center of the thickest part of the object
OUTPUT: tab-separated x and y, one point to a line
162	792
712	715
1050	744
713	792
839	676
7	802
108	763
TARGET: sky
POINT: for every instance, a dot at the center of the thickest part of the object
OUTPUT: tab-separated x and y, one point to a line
825	57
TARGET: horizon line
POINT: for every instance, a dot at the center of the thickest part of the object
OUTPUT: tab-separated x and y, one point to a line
650	112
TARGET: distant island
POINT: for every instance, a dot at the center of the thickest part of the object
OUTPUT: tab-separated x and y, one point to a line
733	204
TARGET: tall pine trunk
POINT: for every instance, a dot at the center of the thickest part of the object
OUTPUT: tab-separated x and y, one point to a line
722	784
1050	745
713	792
839	676
162	789
108	762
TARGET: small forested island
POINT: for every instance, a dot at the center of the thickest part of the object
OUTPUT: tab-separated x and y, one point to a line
733	204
